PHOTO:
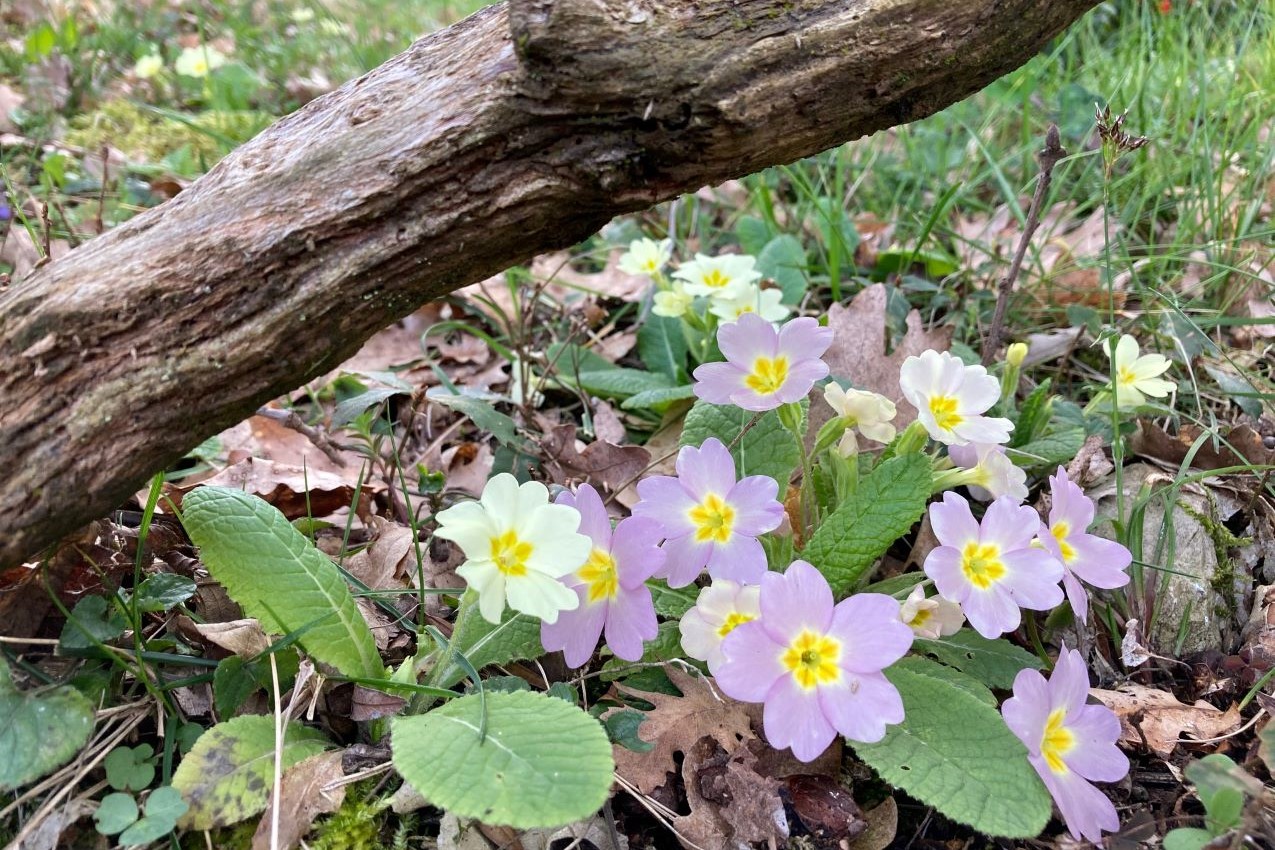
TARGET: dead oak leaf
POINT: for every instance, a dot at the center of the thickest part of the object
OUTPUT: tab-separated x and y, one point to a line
858	351
1161	719
307	791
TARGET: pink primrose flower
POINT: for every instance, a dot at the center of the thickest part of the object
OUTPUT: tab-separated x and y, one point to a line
816	667
764	367
1070	744
992	569
1085	557
611	585
709	518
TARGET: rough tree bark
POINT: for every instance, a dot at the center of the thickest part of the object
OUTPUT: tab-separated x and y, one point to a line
521	129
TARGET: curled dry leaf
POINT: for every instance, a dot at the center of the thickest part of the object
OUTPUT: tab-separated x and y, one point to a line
605	465
303	795
883	825
244	638
1243	446
1161	720
294	490
826	809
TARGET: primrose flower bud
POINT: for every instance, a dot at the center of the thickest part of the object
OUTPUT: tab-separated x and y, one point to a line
1016	354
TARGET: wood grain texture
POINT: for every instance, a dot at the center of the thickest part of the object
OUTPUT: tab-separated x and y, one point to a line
521	129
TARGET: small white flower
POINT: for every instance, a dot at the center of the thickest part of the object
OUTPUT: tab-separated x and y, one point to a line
517	546
931	618
1136	376
869	412
199	61
336	29
719	608
951	397
672	303
303	15
148	66
729	306
646	257
728	273
995	474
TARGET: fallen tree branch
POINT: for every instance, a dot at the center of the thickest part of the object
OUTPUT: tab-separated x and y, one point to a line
521	129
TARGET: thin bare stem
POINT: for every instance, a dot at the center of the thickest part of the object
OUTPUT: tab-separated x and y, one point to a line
1048	158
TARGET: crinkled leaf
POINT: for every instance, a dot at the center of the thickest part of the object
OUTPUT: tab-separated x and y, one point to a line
955	753
270	569
1033	416
40	730
662	347
955	678
995	663
888	502
1050	450
670	602
226	776
542	762
515	638
767	449
784	260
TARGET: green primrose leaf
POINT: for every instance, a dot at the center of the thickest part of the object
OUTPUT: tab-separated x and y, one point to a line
622	383
888	502
995	663
40	730
541	763
784	260
163	591
767	449
270	569
954	752
226	776
662	347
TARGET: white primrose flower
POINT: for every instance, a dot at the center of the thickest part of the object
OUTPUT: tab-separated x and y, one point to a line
931	618
720	607
951	397
729	273
517	545
994	474
869	412
199	61
672	303
148	66
646	257
729	306
1137	375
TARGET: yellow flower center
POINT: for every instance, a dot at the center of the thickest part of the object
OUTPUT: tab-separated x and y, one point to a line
599	574
715	278
812	659
768	375
735	619
921	617
982	565
511	554
943	408
1057	741
1126	376
1060	530
713	519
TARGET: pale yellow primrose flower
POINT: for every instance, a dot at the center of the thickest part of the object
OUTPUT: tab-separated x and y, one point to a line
950	399
1136	376
199	61
672	303
646	257
729	306
931	618
303	15
869	412
719	608
148	66
726	275
517	546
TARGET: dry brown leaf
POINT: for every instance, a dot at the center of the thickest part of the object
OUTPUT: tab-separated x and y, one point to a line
380	565
293	490
663	447
602	464
606	423
467	467
858	351
676	723
883	825
1152	441
302	798
826	809
610	282
244	638
1161	719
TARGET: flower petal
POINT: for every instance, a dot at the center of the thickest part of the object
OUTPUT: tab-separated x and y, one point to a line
797	599
872	635
794	718
750	663
540	596
576	632
630	622
740	559
861	706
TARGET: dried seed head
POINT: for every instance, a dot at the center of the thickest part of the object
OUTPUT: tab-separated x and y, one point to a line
1111	130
